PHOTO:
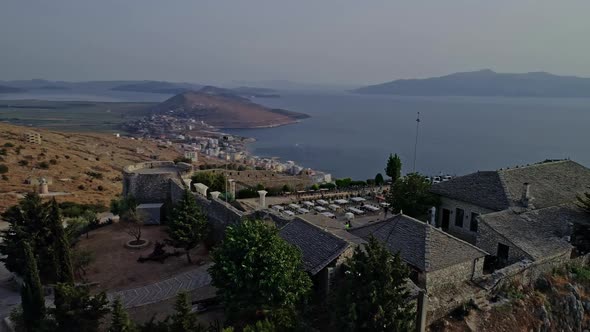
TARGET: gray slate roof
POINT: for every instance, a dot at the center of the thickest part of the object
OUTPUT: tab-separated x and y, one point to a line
318	247
483	189
551	183
539	233
424	247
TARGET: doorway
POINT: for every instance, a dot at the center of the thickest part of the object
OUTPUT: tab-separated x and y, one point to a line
446	216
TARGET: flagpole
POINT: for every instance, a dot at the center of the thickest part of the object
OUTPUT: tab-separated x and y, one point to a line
416	142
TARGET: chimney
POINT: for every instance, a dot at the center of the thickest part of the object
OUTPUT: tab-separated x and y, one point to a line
433	216
526	195
262	194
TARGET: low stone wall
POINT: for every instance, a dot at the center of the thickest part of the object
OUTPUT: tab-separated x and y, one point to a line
524	272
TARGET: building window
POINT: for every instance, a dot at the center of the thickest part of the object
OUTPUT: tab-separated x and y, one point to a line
473	224
459	215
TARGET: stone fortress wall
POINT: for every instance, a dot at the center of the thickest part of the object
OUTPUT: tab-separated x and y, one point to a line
149	182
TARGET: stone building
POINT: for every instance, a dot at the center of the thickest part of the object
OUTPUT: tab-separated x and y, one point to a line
518	213
435	257
322	252
32	137
152	182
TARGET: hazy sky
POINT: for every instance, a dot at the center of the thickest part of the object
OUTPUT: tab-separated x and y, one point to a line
323	41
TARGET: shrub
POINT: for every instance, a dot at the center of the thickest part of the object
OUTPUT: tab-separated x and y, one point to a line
43	165
95	175
3	169
23	162
2	152
581	272
53	162
81	187
4	177
66	156
100	188
8	145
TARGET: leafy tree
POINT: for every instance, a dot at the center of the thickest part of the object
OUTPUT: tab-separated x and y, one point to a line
286	188
28	222
32	301
133	221
394	167
371	294
261	326
120	321
584	201
3	169
183	320
411	195
379	179
187	226
343	183
122	205
215	181
315	186
256	271
77	310
61	248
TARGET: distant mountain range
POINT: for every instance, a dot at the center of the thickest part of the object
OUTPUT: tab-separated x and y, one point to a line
221	108
9	89
162	87
486	83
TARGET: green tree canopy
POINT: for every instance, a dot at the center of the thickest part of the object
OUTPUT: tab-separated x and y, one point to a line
32	300
28	222
371	294
120	321
183	320
411	195
215	181
63	271
255	270
77	310
187	226
394	167
379	179
584	201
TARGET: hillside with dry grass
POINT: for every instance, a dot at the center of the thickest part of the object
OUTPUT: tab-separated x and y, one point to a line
87	166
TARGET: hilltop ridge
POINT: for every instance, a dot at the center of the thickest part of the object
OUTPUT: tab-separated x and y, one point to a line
219	108
486	82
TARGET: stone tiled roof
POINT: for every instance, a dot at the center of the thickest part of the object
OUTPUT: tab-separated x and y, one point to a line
539	233
318	247
424	247
483	189
551	183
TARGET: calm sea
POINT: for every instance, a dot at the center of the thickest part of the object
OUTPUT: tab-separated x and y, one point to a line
352	135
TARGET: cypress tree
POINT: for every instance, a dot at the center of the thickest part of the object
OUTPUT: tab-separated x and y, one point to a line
32	300
120	321
184	320
64	273
187	226
394	167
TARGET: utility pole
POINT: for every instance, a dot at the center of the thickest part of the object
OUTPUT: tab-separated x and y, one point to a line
416	143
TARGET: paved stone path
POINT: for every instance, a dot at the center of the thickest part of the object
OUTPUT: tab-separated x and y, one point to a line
164	289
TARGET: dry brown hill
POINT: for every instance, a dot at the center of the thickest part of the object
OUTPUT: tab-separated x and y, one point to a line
87	165
225	111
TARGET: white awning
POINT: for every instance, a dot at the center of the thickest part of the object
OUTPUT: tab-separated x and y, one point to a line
328	214
308	203
358	199
333	207
321	202
341	201
320	208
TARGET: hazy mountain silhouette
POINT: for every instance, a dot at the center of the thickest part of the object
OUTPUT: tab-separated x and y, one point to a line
486	83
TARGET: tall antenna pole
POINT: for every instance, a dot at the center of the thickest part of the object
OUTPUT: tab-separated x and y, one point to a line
416	143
